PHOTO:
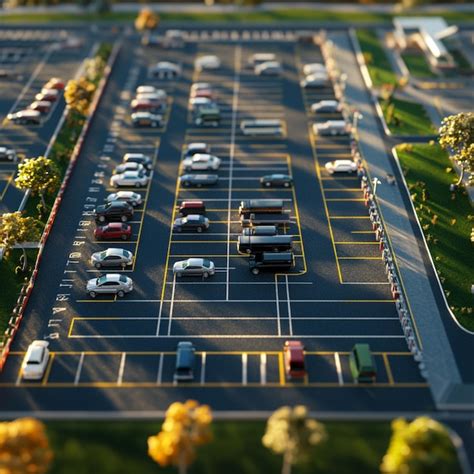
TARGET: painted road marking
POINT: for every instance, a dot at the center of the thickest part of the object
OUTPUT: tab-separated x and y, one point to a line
203	367
160	369
244	368
121	368
337	361
263	368
79	369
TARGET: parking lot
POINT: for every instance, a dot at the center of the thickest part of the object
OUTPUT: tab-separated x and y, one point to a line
337	294
30	59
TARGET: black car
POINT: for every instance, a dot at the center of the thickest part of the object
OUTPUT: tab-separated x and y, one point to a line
276	180
271	261
146	119
260	230
139	158
192	222
114	211
198	180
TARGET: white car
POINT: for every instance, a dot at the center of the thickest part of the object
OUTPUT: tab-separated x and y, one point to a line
194	267
199	86
129	166
313	68
331	127
165	70
134	199
198	102
36	360
326	106
268	68
129	178
7	154
341	166
196	147
200	161
150	90
110	283
207	62
314	81
154	97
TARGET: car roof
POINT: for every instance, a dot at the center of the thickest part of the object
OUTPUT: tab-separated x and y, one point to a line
192	204
35	351
195	145
194	217
135	155
343	162
125	194
115	251
33	113
195	261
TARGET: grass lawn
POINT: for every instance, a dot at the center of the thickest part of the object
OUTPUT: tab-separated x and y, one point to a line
449	237
409	118
11	284
418	65
121	448
377	62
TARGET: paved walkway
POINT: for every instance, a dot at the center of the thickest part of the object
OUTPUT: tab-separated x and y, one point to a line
430	316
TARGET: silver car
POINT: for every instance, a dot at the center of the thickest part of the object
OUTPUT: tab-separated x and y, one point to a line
134	199
194	267
110	283
198	180
112	257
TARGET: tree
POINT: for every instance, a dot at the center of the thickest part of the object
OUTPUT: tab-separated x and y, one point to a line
78	94
39	175
290	432
146	20
16	230
93	69
456	135
420	447
186	426
24	447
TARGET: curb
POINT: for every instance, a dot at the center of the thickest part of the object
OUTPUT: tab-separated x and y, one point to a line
397	161
26	290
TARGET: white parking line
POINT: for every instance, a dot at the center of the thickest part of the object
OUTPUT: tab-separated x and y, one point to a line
277	301
263	368
337	361
244	369
288	302
121	368
160	369
239	336
237	59
203	368
172	305
79	369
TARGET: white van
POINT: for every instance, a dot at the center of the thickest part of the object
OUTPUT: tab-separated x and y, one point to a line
331	127
259	58
262	127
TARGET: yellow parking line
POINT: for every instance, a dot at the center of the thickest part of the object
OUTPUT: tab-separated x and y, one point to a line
342	178
388	369
349	217
362	231
281	369
356	243
48	369
203	241
342	190
360	258
346	199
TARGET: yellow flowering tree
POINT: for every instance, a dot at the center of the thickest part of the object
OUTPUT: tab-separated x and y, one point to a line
186	426
146	20
290	432
78	94
24	447
420	447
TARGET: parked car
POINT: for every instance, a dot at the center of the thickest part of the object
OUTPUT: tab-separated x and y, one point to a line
191	222
55	83
159	100
134	199
129	166
331	128
326	107
259	58
208	116
197	86
112	257
341	166
42	106
194	267
201	161
166	70
184	362
271	261
276	180
146	119
113	230
35	361
139	158
110	283
293	355
208	62
150	90
314	68
362	364
116	211
50	95
196	103
8	154
129	178
260	230
25	117
314	81
192	207
192	148
205	94
268	68
146	105
198	180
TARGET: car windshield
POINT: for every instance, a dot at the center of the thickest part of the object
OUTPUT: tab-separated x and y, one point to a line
123	278
101	280
103	254
206	263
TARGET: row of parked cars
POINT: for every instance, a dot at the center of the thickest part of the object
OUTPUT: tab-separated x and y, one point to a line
148	106
41	106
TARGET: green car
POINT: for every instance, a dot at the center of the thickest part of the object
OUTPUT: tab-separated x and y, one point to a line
362	363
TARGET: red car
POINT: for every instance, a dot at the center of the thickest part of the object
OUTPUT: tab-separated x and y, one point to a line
293	354
113	230
54	83
207	93
50	95
143	105
42	106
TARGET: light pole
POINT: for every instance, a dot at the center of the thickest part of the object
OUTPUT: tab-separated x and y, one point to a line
375	181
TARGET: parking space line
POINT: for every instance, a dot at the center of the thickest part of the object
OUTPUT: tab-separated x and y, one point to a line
263	368
79	369
337	362
170	318
388	369
160	369
281	369
345	199
244	368
360	258
121	368
203	367
356	243
277	301
48	369
288	303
